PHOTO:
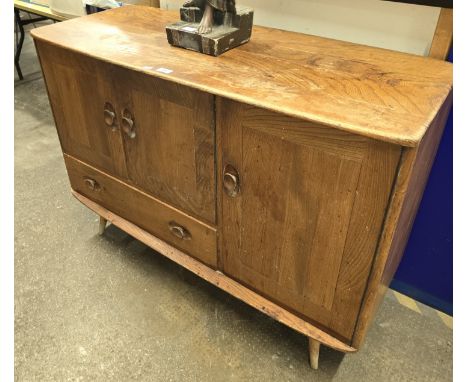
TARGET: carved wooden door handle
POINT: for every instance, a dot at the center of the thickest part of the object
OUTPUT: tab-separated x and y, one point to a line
128	124
231	183
179	231
109	115
92	184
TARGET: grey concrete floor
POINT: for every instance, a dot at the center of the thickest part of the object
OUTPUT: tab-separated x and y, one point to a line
91	308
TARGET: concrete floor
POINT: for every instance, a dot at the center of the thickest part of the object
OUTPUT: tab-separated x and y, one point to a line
91	308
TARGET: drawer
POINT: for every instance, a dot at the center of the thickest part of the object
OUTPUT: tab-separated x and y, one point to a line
167	223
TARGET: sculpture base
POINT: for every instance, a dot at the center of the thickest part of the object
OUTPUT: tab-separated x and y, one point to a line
234	31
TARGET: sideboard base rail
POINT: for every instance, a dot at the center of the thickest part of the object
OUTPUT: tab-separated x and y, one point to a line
219	279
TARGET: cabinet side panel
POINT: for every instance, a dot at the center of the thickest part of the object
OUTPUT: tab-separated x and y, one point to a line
411	181
39	45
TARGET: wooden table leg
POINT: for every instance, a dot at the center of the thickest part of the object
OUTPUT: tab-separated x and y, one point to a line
102	225
314	350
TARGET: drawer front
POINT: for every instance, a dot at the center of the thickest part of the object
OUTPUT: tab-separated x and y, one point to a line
176	228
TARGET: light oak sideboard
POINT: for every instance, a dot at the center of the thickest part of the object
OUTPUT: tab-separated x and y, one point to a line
287	172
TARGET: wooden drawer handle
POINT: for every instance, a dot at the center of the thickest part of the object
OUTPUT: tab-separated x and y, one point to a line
92	184
128	125
231	183
179	231
109	115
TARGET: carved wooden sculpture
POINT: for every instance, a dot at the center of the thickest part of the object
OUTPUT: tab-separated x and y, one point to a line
207	21
211	26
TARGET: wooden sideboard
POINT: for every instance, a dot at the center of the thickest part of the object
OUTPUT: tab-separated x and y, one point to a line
286	172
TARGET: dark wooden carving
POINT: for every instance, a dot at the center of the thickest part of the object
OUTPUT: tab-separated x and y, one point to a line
211	26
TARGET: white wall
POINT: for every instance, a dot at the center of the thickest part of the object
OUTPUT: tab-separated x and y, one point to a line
404	27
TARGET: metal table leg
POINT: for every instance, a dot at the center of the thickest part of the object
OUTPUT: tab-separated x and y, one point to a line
19	25
19	45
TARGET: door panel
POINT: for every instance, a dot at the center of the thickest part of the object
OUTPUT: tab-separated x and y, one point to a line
171	154
308	197
80	90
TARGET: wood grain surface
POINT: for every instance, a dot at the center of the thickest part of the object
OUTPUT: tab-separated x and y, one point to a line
143	210
79	88
216	278
170	156
304	227
413	172
443	35
172	153
294	164
369	91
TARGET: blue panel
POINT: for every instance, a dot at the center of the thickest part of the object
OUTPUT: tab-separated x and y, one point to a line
426	270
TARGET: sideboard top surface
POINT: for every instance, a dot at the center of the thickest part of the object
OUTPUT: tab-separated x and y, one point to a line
374	92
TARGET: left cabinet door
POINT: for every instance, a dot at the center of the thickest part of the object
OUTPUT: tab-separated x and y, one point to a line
83	101
168	131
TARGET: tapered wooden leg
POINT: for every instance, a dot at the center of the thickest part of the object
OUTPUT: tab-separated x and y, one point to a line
102	225
314	350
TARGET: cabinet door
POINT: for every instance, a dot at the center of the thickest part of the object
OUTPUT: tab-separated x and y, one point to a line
301	211
83	102
169	142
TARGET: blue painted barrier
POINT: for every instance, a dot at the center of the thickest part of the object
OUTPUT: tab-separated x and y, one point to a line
426	270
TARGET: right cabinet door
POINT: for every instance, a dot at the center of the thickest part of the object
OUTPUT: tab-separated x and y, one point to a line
301	210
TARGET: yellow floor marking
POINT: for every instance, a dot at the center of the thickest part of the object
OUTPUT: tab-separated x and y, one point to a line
407	301
448	320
